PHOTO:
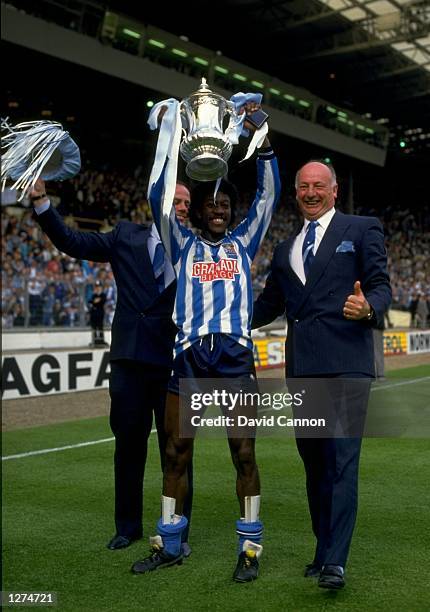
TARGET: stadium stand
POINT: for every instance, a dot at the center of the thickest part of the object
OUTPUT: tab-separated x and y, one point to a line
42	287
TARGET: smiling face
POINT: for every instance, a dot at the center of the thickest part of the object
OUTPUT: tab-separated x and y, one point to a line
181	202
316	190
215	216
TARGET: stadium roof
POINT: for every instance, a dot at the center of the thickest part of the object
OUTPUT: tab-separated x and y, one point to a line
372	56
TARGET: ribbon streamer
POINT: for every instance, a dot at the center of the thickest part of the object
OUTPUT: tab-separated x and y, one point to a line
36	149
240	99
166	154
256	141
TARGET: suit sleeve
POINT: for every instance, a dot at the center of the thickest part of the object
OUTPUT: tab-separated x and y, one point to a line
375	280
81	245
270	304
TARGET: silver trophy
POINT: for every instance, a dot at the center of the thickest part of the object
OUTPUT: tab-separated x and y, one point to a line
206	146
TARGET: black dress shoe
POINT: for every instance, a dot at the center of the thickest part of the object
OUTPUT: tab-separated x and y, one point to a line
331	577
120	541
312	570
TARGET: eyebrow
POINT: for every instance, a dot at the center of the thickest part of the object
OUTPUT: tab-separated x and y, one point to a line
319	182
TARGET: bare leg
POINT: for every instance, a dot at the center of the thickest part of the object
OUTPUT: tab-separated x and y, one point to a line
179	452
248	480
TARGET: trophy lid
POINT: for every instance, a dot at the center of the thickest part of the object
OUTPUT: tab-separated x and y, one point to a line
204	87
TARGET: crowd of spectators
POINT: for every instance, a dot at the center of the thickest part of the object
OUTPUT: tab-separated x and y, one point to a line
43	287
408	247
40	285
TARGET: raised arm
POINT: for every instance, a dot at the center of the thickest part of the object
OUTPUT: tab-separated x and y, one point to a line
172	233
81	245
254	227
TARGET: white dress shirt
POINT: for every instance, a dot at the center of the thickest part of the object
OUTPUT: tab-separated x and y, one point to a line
296	257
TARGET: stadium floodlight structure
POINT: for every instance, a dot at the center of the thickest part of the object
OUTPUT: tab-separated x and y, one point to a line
159	60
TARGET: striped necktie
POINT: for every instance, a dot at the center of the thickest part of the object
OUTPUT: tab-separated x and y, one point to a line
308	247
158	266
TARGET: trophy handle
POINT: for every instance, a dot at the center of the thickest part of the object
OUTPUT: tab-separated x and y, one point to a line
231	109
187	117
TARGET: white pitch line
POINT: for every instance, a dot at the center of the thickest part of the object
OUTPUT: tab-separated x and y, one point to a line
45	451
400	384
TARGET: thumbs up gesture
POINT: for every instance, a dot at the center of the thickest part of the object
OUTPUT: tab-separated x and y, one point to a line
356	306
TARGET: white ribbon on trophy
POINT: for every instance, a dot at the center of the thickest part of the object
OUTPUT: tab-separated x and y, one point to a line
166	154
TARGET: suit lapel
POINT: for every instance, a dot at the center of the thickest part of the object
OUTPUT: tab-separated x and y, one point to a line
326	250
139	244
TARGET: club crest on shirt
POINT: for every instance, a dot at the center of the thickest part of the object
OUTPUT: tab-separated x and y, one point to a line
230	250
208	271
199	252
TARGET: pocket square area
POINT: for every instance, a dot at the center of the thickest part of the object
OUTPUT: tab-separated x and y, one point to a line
346	246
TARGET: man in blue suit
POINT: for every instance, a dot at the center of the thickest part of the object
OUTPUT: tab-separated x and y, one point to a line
331	280
141	353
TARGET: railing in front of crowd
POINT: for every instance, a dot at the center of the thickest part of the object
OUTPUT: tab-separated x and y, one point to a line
39	303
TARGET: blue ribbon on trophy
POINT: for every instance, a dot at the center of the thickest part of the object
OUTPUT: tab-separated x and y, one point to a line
37	149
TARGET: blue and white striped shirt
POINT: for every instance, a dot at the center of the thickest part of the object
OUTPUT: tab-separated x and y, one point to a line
214	284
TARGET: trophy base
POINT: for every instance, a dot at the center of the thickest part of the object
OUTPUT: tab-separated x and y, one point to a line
206	167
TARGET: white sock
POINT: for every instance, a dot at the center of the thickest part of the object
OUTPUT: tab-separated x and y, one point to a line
252	508
168	510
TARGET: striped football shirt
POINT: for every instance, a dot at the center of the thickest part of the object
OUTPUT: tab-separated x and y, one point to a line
214	284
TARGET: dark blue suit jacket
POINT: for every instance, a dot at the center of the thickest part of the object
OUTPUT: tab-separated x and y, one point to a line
320	340
142	328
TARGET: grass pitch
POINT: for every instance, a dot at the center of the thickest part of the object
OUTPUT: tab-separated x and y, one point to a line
58	508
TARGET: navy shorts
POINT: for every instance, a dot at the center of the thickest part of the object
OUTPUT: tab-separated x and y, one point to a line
213	356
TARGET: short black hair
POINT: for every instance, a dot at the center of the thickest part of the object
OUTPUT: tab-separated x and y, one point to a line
202	190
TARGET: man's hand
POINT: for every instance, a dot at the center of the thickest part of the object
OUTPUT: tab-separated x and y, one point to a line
249	108
356	306
36	192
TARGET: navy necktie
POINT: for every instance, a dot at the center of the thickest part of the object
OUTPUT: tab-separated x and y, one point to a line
308	247
158	266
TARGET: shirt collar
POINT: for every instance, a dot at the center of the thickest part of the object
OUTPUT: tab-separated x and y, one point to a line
323	221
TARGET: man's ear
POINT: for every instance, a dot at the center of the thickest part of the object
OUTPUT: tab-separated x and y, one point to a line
335	186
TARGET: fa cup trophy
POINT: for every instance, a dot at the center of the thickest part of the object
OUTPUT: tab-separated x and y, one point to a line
207	144
203	128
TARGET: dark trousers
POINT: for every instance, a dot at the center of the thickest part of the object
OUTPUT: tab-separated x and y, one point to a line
331	467
138	392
